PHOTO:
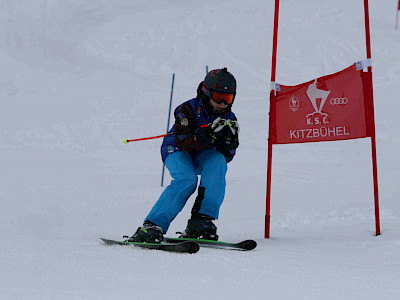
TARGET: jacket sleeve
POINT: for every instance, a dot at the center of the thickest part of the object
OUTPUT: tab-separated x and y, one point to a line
185	128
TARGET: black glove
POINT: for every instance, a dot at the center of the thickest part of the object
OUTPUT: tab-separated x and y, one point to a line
218	128
232	134
202	135
216	131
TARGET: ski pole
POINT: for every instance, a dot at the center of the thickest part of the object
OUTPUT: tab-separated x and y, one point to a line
126	141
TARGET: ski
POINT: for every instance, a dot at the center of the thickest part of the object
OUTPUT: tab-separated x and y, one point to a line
244	245
179	247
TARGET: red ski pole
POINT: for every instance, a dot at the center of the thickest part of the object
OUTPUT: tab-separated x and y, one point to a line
126	141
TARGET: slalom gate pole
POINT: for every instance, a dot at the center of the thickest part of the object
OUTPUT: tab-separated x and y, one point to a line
373	139
169	117
206	69
269	166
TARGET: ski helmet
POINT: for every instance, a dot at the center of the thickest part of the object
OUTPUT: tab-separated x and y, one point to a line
220	85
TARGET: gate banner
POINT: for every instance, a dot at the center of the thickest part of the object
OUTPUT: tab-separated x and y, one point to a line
329	108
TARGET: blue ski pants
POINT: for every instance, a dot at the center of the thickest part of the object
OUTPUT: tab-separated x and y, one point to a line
210	165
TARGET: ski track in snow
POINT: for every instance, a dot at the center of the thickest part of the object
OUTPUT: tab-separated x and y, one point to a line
80	76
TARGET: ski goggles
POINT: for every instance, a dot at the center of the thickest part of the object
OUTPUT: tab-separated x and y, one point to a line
219	97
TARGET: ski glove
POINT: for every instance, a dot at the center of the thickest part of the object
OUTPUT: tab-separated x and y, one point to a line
232	134
216	130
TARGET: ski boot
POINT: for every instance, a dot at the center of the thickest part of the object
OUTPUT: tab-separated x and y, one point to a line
200	227
148	233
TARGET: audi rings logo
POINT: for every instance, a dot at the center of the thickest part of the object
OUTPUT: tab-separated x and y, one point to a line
339	101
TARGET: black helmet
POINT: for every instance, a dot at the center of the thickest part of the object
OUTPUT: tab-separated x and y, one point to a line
219	80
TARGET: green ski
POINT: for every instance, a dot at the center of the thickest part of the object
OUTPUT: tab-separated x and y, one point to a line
244	245
179	247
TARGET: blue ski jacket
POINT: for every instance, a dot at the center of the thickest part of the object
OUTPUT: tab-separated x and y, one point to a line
189	117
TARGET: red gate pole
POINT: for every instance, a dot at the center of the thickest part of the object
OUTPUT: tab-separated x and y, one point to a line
268	200
269	166
373	139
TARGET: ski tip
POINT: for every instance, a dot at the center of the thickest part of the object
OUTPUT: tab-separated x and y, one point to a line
248	244
192	247
108	241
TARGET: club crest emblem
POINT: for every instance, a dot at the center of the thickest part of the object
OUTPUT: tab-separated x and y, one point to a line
184	122
294	103
317	98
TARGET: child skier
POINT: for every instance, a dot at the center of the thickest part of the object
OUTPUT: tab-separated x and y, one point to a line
202	141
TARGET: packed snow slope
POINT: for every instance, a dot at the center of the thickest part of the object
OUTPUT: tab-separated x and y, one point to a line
77	77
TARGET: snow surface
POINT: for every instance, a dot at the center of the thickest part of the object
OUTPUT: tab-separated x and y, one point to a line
77	77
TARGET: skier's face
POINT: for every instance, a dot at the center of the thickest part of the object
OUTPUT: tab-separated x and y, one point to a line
218	106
